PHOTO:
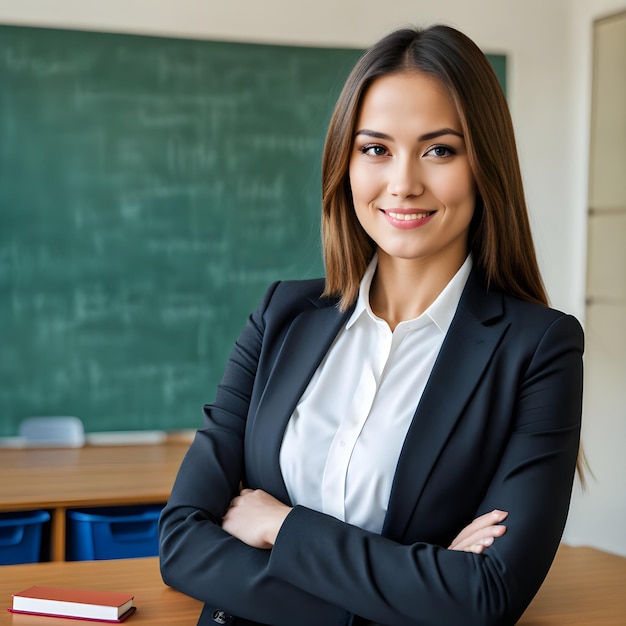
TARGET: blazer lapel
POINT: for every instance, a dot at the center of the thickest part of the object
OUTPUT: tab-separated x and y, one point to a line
306	343
464	355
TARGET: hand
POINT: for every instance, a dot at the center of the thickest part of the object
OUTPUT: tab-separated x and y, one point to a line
255	518
481	533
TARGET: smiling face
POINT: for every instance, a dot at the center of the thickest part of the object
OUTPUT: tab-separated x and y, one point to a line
411	181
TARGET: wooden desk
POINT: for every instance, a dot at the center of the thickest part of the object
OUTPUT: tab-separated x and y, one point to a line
156	603
585	587
57	479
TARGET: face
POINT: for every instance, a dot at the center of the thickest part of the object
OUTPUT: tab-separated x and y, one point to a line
411	180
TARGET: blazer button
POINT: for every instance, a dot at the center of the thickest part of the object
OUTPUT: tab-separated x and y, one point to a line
220	617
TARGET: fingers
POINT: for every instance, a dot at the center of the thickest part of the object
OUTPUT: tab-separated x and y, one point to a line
237	499
480	533
484	521
255	517
479	542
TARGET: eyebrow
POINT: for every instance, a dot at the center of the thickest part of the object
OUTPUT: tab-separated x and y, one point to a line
425	137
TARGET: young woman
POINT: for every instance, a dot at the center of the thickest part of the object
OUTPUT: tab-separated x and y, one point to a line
385	421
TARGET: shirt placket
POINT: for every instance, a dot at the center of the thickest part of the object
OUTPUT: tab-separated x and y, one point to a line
347	435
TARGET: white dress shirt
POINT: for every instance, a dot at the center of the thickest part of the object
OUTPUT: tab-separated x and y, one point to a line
342	443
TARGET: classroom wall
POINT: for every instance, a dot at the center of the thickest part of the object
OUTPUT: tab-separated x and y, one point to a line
598	514
549	49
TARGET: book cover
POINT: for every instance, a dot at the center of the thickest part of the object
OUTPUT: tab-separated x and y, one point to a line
107	606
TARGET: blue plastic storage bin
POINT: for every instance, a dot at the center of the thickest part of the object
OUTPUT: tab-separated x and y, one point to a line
112	532
20	536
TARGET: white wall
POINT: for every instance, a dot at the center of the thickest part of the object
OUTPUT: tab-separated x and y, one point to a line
597	515
548	44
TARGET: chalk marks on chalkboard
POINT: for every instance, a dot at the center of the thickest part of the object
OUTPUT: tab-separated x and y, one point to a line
19	59
294	143
153	188
196	159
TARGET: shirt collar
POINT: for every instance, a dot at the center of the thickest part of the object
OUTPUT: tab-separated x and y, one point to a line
440	312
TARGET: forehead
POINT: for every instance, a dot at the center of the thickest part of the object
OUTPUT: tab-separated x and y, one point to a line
408	96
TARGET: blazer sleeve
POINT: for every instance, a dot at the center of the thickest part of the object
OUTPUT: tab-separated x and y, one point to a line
196	556
427	585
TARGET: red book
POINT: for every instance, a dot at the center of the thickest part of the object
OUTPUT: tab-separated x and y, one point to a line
105	606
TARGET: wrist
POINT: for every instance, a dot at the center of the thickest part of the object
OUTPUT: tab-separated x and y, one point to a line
277	519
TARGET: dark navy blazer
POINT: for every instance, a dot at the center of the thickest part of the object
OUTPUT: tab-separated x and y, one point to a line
497	426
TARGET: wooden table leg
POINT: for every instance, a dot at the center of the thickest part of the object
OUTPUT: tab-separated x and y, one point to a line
57	547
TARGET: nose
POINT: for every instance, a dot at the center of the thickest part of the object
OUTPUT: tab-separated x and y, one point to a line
404	178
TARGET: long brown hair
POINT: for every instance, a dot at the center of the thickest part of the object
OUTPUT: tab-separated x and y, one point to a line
500	237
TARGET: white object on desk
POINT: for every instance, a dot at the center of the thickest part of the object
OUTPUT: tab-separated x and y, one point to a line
52	432
12	442
126	438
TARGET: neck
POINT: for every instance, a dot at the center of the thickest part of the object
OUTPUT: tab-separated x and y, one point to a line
403	289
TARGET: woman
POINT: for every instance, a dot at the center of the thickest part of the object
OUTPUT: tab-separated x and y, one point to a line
385	422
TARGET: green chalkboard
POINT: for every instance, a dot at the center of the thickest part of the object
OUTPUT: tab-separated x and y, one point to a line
150	190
